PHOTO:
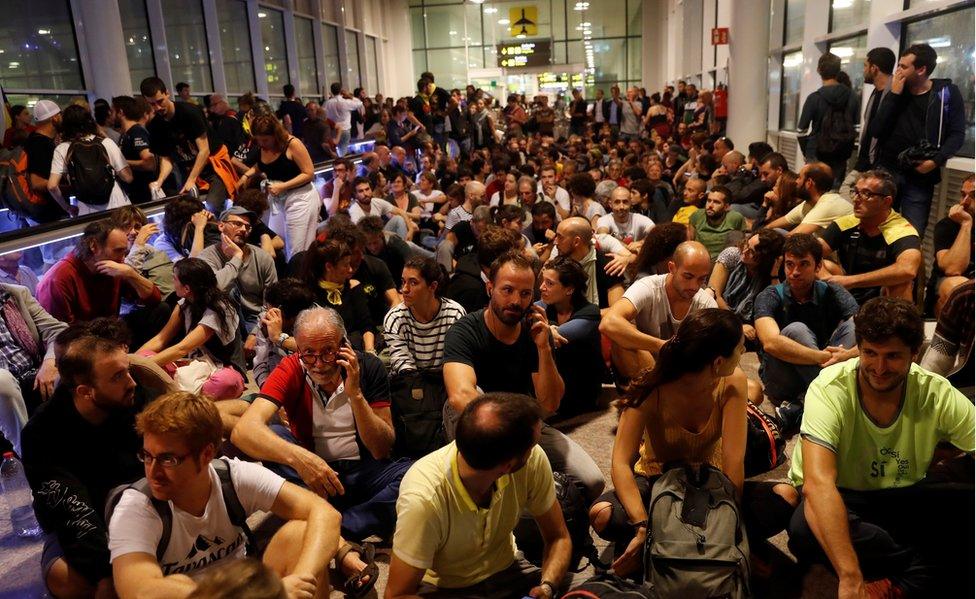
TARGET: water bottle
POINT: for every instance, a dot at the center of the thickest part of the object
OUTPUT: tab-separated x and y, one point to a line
18	497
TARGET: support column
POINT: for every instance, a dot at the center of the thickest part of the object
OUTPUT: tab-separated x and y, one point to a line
107	68
748	47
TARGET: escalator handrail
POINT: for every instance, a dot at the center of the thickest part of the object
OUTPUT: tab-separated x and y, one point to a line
43	233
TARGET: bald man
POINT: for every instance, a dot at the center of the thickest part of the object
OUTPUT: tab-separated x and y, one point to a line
474	196
629	227
652	308
574	238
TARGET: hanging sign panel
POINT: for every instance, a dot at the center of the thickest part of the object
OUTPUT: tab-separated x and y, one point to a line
536	53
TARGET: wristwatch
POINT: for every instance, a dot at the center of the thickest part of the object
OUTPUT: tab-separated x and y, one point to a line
282	338
552	587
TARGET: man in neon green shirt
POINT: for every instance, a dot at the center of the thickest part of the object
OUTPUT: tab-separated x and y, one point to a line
868	436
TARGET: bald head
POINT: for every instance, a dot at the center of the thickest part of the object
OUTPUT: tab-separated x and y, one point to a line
576	226
474	190
689	269
689	252
573	237
732	161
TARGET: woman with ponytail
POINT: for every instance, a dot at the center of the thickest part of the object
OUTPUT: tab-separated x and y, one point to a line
689	408
207	356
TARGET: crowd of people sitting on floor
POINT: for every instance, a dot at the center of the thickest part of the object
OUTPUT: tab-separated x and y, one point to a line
384	360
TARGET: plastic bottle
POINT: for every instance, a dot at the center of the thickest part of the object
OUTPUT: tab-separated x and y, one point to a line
17	494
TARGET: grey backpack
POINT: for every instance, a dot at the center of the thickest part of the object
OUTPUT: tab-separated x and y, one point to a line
696	545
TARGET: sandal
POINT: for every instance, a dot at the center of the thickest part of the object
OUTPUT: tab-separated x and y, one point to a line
353	586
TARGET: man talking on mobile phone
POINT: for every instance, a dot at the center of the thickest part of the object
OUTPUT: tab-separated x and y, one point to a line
340	432
507	347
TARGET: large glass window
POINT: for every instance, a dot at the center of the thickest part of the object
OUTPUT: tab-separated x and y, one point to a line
371	71
793	32
235	44
847	14
352	54
275	55
951	36
449	66
445	26
789	103
852	51
604	17
610	58
331	54
37	47
308	76
186	40
138	44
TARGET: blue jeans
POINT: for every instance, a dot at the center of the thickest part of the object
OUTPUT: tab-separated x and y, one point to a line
368	506
397	226
747	210
914	201
784	381
344	137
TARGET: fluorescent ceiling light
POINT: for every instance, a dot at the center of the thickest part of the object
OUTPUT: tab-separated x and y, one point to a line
262	15
43	32
503	21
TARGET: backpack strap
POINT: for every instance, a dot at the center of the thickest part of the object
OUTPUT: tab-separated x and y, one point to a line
235	511
162	509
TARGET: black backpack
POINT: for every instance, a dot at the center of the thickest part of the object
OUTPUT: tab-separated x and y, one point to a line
572	500
764	442
608	586
416	404
90	175
235	511
835	140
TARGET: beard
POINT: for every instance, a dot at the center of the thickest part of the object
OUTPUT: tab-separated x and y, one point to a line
803	193
507	314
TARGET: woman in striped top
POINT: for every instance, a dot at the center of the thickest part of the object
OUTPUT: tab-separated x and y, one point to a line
415	329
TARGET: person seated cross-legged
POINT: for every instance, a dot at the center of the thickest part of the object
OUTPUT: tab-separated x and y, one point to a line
873	506
459	505
340	432
803	325
181	433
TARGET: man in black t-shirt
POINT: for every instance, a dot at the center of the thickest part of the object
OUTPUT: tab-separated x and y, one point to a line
954	249
39	148
385	246
876	247
147	173
508	347
180	131
292	108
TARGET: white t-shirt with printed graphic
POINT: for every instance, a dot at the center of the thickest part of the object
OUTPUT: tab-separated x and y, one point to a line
195	542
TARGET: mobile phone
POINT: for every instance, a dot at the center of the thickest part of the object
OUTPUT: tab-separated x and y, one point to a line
344	343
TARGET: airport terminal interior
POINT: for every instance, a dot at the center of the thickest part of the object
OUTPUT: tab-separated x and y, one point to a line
487	298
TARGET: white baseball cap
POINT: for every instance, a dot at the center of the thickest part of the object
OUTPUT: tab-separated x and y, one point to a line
45	109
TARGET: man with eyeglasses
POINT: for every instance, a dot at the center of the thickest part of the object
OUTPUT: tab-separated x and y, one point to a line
340	432
819	207
878	251
243	270
78	446
186	488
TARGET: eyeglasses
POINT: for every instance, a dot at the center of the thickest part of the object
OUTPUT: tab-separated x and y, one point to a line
166	460
865	194
309	358
239	224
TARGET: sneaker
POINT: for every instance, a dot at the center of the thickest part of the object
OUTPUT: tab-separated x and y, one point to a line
883	589
789	414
